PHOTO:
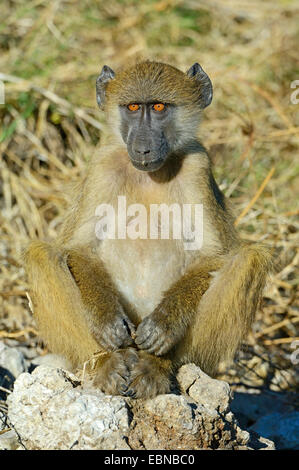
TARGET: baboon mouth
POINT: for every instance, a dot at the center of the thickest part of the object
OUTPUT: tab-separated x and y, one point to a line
148	165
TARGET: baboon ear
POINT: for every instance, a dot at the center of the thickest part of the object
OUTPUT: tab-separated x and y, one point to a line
205	85
105	76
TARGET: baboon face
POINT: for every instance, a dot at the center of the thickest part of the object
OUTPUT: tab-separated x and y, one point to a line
158	108
148	129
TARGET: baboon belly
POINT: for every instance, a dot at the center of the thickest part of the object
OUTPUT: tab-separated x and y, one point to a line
143	269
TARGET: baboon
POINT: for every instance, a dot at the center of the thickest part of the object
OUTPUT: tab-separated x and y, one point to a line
147	305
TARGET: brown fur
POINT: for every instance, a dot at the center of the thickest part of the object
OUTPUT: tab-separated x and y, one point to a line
152	81
199	305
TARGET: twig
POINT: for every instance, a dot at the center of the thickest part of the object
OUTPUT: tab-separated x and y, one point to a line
256	196
280	340
276	326
13	292
17	334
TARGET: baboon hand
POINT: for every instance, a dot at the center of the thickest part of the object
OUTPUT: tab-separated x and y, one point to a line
154	335
115	331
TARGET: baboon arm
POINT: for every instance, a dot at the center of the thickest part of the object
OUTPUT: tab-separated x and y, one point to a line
167	324
106	318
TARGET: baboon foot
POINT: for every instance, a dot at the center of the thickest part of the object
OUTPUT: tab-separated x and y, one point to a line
150	376
114	371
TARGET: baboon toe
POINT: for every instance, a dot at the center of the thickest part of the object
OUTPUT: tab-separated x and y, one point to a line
150	377
113	374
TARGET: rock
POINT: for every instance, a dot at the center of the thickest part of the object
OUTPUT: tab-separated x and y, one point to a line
9	441
209	392
176	422
283	428
51	409
12	360
6	383
258	442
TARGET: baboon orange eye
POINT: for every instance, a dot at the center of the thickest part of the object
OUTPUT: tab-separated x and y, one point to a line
133	107
159	106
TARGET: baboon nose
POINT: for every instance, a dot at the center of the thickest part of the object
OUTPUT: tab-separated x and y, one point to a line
143	152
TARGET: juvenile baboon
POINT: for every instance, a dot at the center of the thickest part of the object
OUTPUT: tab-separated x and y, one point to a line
149	303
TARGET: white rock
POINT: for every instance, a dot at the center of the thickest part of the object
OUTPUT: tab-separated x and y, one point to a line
9	441
12	360
49	409
211	393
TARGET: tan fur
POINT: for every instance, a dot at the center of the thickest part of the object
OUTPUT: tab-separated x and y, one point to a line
81	284
57	303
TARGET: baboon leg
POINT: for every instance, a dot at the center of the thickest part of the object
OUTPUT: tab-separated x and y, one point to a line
75	303
57	304
226	310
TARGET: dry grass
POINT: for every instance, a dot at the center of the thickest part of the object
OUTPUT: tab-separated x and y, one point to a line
51	53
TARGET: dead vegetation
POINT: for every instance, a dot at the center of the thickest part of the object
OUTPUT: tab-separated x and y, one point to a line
51	53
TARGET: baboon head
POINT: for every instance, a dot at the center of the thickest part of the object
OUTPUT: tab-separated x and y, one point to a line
154	108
